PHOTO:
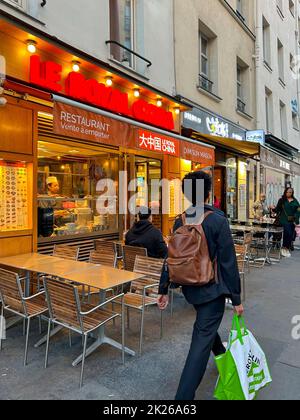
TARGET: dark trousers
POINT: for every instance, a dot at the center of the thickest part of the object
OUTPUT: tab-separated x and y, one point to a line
288	235
205	340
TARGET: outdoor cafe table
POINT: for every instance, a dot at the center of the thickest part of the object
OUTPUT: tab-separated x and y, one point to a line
85	274
257	229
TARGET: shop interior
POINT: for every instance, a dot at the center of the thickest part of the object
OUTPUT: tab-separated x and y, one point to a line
70	199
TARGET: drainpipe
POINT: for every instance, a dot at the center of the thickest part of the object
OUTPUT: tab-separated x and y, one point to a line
258	46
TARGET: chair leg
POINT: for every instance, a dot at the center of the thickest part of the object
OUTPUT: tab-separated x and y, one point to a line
244	287
142	330
123	333
83	360
70	338
27	339
161	324
40	325
128	318
172	302
24	327
47	345
1	328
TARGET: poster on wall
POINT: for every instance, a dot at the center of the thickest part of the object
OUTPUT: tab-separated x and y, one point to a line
275	185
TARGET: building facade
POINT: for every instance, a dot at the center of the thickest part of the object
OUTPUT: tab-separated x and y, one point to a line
277	70
87	106
215	74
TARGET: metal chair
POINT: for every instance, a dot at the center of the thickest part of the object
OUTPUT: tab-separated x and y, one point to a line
129	255
67	252
13	301
144	292
242	251
67	311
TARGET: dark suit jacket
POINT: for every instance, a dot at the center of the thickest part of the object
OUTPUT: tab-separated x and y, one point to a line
220	243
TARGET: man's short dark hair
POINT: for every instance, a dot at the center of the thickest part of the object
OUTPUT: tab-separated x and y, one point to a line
144	213
193	178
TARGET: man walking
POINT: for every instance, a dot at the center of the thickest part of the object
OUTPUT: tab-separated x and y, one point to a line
208	300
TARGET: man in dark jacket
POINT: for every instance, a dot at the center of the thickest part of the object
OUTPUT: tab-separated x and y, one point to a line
209	300
145	235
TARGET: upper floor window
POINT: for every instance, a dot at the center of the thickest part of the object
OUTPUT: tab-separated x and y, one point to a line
20	4
292	7
267	42
122	30
240	9
280	52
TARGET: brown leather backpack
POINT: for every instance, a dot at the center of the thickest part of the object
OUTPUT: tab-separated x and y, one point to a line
188	260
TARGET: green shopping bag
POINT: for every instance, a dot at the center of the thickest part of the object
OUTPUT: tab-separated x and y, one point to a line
243	369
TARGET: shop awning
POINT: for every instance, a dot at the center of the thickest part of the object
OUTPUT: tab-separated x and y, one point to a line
244	148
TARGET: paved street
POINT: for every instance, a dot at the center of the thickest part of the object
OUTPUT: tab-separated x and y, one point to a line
273	298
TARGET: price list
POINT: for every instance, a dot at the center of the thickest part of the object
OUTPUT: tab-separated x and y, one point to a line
13	196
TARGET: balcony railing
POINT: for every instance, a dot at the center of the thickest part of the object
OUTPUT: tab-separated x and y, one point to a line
127	56
205	83
241	106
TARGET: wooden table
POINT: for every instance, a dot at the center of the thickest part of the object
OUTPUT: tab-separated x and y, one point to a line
81	273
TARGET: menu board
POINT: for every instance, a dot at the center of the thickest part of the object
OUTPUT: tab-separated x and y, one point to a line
13	196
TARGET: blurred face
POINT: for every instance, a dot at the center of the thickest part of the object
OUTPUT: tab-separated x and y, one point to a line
53	188
289	193
263	197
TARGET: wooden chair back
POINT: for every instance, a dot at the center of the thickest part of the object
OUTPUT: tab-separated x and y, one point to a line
67	252
103	258
151	268
63	302
248	239
11	293
101	245
129	255
241	250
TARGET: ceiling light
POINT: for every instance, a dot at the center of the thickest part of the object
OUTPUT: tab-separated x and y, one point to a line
108	81
31	46
76	66
136	92
159	103
177	110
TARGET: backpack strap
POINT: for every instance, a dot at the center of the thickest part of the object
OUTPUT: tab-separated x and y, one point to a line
203	217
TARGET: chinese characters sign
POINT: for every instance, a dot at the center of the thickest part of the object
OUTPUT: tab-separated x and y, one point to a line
154	142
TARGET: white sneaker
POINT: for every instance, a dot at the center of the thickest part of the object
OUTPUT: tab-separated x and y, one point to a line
288	254
284	253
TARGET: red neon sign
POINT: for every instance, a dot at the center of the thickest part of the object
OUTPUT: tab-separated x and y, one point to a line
49	75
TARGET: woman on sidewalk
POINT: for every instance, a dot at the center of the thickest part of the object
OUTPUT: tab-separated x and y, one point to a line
288	214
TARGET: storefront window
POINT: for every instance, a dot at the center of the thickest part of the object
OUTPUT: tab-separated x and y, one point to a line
71	198
231	181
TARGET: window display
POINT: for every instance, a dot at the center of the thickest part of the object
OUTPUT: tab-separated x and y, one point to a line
70	193
14	196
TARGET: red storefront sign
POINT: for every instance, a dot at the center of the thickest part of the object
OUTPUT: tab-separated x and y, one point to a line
154	142
49	75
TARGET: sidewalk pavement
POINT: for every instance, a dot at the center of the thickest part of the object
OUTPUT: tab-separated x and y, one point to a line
273	299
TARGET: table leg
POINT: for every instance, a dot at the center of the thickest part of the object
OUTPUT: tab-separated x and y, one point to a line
44	339
11	322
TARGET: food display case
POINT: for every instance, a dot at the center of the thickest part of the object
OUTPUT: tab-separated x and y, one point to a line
14	196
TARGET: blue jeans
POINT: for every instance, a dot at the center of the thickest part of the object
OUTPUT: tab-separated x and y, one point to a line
205	340
288	235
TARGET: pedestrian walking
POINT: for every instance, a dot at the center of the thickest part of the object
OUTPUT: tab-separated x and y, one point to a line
288	214
212	270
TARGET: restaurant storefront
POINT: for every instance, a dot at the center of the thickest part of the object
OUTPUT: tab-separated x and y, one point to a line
65	131
277	173
235	171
